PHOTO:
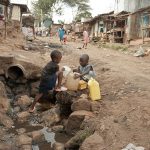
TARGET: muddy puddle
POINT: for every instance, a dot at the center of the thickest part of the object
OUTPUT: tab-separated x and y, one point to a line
50	137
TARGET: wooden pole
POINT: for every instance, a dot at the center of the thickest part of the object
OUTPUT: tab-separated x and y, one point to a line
142	30
6	17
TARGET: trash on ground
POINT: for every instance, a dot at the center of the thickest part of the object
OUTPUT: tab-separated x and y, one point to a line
142	52
133	147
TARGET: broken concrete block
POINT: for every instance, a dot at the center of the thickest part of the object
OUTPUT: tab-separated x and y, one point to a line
58	128
58	146
17	109
21	131
4	146
6	121
76	141
37	136
23	140
24	102
2	90
50	117
75	120
81	104
23	116
94	142
4	104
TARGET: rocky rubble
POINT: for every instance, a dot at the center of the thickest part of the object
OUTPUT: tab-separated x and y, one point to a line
75	120
23	116
93	142
6	121
81	104
23	102
51	117
58	146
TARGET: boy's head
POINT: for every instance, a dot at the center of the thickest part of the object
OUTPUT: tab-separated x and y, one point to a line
56	56
84	59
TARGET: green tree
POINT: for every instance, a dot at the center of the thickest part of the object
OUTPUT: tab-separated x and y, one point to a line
83	11
48	7
80	8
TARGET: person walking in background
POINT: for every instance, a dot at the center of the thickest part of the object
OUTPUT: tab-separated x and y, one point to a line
85	39
65	37
61	33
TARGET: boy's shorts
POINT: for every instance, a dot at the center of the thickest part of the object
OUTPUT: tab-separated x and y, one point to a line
47	84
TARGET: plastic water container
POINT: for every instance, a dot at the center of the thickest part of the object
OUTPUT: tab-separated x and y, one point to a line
82	85
66	71
72	83
94	89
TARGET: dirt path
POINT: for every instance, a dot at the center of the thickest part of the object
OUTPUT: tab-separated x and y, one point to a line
124	115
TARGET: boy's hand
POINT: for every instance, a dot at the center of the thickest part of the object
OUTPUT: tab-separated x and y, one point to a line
76	76
63	69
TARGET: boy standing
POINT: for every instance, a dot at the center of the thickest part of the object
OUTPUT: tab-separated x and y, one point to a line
49	76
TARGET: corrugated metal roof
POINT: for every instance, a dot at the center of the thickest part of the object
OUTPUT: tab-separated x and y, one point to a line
142	10
99	16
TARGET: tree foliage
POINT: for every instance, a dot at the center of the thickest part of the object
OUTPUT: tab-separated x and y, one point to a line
48	7
83	12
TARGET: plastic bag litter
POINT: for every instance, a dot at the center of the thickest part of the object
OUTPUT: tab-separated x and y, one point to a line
49	136
140	52
66	71
133	147
35	147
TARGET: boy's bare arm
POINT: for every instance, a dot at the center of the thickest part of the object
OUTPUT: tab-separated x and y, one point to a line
76	70
81	75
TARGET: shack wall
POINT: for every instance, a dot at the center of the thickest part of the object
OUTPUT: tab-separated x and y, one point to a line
16	13
131	5
135	24
1	9
134	5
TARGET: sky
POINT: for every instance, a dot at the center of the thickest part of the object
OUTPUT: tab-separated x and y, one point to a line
98	7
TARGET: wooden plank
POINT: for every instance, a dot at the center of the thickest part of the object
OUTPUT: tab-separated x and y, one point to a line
6	17
142	30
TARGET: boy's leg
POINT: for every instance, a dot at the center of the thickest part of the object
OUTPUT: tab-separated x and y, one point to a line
86	46
60	78
37	98
83	45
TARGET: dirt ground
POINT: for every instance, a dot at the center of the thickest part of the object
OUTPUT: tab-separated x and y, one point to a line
124	114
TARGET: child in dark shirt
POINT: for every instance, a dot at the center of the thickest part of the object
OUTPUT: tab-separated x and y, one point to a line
85	70
49	76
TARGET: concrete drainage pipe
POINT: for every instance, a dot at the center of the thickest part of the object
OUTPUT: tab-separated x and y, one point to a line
15	72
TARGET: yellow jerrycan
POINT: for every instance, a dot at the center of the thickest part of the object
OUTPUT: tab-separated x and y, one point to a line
94	89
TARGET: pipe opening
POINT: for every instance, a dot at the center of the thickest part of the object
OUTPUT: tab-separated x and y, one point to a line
15	72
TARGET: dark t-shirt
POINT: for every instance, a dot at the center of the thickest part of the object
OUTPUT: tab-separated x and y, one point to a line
50	69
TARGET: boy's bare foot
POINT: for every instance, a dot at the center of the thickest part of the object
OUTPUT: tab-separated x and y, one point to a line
31	109
58	89
61	89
